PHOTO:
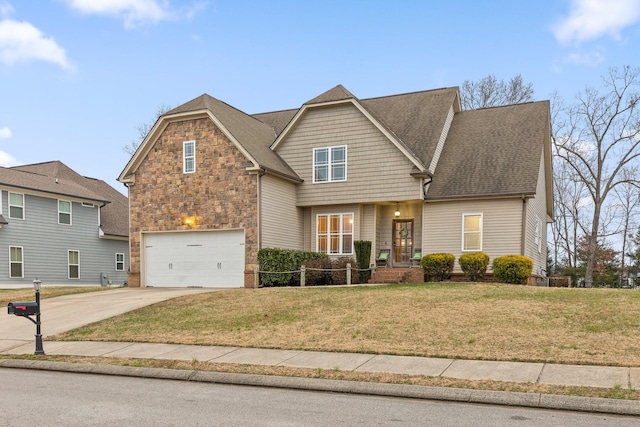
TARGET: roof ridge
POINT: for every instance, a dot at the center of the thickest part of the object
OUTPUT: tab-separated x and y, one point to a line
409	93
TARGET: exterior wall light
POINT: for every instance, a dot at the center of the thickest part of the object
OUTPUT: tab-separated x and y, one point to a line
397	213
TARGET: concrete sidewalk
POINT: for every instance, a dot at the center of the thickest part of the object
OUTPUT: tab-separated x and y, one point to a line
65	313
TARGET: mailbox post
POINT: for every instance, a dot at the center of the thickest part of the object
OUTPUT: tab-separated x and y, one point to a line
27	309
39	350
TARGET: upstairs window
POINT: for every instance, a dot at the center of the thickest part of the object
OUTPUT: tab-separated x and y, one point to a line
16	205
471	232
189	156
64	212
330	164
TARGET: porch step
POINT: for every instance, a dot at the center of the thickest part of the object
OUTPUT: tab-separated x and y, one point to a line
397	275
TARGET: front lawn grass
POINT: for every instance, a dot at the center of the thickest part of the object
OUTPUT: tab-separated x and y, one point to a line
28	294
469	321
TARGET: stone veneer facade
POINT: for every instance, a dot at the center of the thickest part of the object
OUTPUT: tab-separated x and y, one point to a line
220	194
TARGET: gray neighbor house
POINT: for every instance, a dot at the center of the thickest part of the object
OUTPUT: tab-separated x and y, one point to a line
61	227
211	185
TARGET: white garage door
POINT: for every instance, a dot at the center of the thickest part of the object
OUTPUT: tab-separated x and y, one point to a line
210	259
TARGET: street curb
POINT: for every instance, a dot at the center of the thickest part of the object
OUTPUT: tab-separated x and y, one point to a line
530	400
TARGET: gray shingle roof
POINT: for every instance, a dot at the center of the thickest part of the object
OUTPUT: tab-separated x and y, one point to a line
493	151
254	135
59	180
488	152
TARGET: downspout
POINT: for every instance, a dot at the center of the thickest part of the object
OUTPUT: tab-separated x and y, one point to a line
523	234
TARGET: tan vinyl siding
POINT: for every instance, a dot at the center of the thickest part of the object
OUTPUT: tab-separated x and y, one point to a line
502	222
376	169
441	141
536	208
368	228
306	218
281	220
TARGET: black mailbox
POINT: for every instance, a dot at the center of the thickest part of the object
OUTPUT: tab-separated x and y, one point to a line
23	308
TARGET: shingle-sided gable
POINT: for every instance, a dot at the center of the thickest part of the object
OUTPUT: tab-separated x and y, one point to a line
493	152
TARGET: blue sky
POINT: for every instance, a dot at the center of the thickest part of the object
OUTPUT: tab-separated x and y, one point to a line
78	76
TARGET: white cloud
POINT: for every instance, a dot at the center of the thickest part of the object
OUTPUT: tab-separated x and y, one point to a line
22	42
591	19
5	132
5	9
589	58
7	160
133	12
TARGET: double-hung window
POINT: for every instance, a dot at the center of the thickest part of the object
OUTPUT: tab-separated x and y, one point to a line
471	232
334	234
330	164
16	264
64	212
537	234
189	156
16	205
120	262
74	264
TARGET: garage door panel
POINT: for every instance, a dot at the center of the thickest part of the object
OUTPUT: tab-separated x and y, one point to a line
206	259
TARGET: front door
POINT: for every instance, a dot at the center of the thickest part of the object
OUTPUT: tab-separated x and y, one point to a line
402	241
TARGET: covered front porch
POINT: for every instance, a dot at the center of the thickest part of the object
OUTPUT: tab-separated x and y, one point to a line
398	234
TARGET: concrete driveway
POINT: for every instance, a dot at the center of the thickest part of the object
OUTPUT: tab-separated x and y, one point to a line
72	311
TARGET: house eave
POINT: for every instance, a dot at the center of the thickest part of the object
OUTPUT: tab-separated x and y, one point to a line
519	195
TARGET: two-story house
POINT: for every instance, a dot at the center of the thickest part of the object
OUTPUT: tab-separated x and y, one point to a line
211	185
61	227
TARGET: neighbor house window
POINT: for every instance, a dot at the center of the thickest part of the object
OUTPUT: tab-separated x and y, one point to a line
335	234
537	234
472	232
119	262
189	156
16	205
330	164
64	212
16	265
74	264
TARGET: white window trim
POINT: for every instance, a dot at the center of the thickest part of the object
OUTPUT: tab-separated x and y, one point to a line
184	156
329	164
69	265
66	213
122	262
481	231
341	232
10	205
537	234
21	263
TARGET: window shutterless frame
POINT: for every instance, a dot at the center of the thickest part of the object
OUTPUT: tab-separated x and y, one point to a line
16	262
472	232
189	156
334	233
64	212
16	205
74	264
330	164
119	262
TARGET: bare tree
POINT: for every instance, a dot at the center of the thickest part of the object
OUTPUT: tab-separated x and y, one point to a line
599	138
143	129
489	92
628	201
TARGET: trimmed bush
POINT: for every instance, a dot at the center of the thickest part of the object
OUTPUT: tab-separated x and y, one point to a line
474	265
339	273
317	273
277	265
514	269
438	266
363	256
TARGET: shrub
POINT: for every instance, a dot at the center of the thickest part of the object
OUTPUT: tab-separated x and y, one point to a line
474	265
363	256
339	273
277	265
317	273
514	269
438	266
